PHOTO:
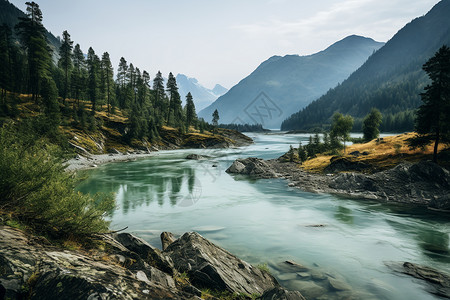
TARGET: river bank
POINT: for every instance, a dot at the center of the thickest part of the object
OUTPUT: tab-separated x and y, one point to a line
423	184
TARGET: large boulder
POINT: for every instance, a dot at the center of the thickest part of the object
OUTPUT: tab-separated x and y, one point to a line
341	164
252	166
147	252
209	266
32	270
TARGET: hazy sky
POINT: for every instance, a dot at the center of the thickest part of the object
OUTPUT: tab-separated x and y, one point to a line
220	41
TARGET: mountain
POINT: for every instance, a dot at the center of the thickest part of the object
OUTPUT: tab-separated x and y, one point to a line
391	79
282	85
9	15
201	95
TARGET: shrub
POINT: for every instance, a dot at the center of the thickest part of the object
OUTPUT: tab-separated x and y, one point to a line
37	192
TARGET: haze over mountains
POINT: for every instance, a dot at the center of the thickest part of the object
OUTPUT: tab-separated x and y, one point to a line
391	79
202	96
282	85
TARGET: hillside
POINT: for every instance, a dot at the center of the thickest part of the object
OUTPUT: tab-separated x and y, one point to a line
290	82
391	79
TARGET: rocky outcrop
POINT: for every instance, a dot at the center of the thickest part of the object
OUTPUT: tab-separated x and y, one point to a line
31	270
279	293
424	183
252	166
167	238
209	266
438	283
344	164
196	156
126	267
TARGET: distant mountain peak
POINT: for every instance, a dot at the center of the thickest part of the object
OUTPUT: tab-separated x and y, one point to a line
201	95
291	82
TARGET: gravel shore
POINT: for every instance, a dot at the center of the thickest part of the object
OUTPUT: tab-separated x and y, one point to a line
93	161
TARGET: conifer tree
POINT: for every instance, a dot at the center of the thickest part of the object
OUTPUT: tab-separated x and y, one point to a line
65	61
78	74
93	63
191	115
107	80
32	35
433	116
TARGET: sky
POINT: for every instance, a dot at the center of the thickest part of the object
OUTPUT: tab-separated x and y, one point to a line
220	41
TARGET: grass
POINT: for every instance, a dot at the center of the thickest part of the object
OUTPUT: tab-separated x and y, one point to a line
382	154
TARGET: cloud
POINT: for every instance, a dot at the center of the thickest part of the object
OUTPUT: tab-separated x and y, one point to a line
379	19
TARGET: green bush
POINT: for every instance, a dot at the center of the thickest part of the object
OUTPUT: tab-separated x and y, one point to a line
36	191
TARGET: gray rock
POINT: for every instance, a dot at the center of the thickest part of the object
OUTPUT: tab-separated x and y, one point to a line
210	266
340	164
196	156
338	285
167	238
308	289
31	270
252	166
438	282
279	293
147	252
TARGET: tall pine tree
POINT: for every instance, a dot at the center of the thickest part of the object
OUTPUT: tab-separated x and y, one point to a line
65	60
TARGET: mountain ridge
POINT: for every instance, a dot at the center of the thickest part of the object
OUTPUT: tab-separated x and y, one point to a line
390	80
291	82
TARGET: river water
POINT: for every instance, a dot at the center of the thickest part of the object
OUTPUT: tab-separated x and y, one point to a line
267	222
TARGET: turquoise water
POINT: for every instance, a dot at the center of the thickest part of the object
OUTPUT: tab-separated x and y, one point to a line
265	221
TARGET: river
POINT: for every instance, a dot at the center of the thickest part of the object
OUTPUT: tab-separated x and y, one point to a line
267	222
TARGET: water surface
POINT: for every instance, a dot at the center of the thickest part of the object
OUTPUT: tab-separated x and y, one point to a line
265	221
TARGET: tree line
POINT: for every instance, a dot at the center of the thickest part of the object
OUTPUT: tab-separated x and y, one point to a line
77	85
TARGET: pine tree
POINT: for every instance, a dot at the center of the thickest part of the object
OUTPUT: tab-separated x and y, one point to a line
191	115
175	112
107	80
215	120
65	61
433	116
32	35
93	63
78	74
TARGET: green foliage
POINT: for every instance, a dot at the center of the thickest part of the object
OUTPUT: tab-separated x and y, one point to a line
341	127
433	116
371	124
263	267
37	191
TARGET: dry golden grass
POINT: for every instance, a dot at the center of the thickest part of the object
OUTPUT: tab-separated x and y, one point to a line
382	154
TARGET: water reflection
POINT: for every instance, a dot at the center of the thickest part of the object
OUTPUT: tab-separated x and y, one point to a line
434	244
344	215
146	182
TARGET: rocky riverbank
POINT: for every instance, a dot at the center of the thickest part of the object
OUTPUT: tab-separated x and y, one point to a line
225	139
123	266
424	183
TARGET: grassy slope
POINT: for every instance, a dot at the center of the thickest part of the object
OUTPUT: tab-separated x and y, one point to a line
111	133
385	154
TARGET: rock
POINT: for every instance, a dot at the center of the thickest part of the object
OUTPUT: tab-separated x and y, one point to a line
340	164
365	153
196	156
355	153
338	285
303	275
167	238
308	289
237	167
147	252
279	293
214	166
113	151
316	275
287	276
34	271
209	266
438	282
252	166
295	266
